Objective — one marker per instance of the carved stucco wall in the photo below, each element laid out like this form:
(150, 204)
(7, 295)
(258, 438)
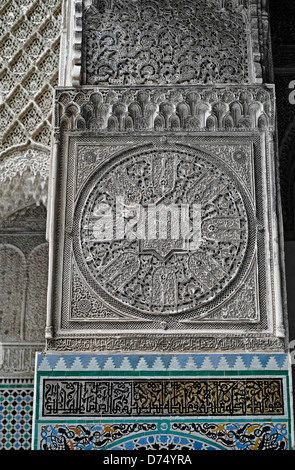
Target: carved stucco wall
(30, 32)
(29, 48)
(30, 41)
(133, 86)
(130, 49)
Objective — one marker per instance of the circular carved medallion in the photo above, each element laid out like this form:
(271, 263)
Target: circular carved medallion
(163, 231)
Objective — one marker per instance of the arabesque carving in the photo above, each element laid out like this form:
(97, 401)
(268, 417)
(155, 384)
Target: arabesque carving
(163, 231)
(168, 42)
(29, 50)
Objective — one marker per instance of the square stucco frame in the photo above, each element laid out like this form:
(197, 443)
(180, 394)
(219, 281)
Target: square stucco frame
(102, 332)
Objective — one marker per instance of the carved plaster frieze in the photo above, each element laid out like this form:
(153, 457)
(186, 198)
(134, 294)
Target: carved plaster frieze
(18, 360)
(136, 109)
(167, 343)
(110, 145)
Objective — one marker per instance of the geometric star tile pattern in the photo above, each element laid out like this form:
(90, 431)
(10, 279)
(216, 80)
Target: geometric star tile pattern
(16, 409)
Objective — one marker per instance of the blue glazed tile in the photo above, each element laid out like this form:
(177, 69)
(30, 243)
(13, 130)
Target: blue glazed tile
(69, 359)
(281, 360)
(215, 359)
(263, 358)
(39, 360)
(16, 417)
(85, 359)
(113, 363)
(198, 359)
(101, 360)
(134, 360)
(231, 359)
(247, 359)
(214, 435)
(148, 359)
(182, 360)
(52, 359)
(166, 359)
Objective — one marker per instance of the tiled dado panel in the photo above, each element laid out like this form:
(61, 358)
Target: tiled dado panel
(162, 401)
(16, 409)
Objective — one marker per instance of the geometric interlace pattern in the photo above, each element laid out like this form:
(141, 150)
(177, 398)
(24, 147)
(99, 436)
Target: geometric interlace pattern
(29, 59)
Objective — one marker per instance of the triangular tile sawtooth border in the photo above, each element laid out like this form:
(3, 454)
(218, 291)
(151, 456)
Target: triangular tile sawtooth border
(161, 362)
